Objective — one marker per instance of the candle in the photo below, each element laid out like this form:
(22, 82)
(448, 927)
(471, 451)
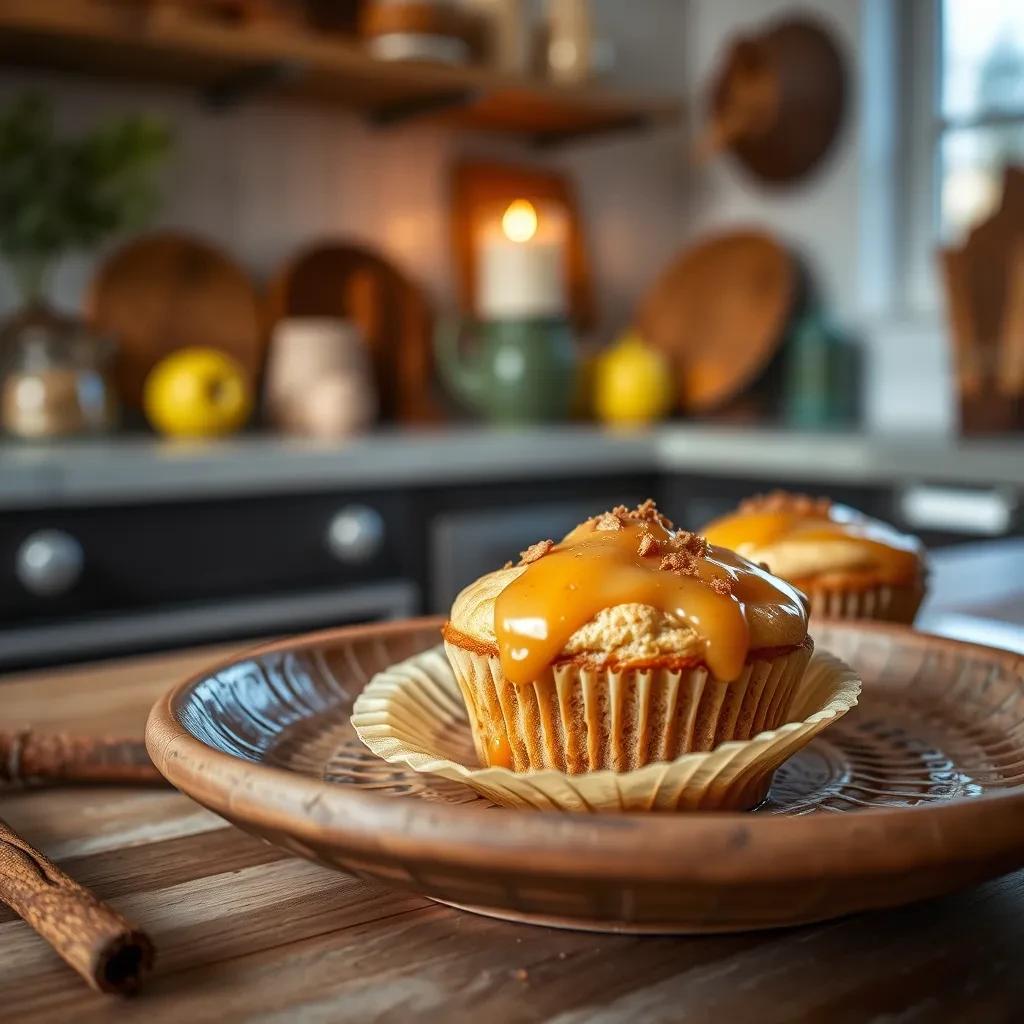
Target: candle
(522, 265)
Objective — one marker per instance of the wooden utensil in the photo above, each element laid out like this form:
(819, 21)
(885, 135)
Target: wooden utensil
(719, 312)
(90, 936)
(988, 253)
(1010, 368)
(350, 282)
(908, 808)
(778, 100)
(985, 306)
(168, 291)
(966, 348)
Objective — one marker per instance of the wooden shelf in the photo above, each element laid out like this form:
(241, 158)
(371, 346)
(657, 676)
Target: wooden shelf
(116, 39)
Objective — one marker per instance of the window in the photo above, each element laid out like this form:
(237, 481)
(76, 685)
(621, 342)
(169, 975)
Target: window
(981, 107)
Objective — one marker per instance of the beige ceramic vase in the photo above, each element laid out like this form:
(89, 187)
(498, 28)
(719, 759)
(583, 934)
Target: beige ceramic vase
(319, 382)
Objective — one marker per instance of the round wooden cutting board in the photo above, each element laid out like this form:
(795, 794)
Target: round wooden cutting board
(168, 291)
(916, 792)
(719, 312)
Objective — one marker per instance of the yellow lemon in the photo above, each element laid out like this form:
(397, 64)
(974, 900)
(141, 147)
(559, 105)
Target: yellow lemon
(632, 383)
(197, 392)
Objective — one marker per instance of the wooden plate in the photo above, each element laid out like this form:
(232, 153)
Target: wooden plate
(916, 792)
(168, 291)
(719, 312)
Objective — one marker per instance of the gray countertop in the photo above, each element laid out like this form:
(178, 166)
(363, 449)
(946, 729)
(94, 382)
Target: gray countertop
(142, 468)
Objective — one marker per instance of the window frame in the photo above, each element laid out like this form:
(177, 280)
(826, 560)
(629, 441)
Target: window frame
(920, 98)
(924, 125)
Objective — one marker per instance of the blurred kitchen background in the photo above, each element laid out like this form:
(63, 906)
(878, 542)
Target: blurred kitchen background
(314, 310)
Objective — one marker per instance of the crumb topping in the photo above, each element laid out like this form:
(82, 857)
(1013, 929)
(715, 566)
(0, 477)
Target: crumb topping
(679, 553)
(689, 543)
(680, 563)
(608, 521)
(535, 551)
(723, 586)
(645, 512)
(785, 501)
(648, 546)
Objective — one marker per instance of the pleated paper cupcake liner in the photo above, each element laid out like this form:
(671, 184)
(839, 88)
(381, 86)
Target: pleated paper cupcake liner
(414, 714)
(881, 604)
(580, 719)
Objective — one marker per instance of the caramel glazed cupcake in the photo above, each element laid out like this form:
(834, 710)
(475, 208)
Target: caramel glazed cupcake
(627, 642)
(849, 565)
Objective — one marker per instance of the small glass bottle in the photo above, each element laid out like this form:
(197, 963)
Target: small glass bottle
(54, 378)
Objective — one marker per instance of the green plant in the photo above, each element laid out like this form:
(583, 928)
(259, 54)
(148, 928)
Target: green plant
(60, 194)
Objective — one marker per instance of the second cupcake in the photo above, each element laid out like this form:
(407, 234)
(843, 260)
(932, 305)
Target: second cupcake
(628, 642)
(849, 565)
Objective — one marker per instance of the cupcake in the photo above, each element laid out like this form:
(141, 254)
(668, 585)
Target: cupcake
(627, 642)
(849, 565)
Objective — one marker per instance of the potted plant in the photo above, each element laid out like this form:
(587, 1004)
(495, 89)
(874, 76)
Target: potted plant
(58, 195)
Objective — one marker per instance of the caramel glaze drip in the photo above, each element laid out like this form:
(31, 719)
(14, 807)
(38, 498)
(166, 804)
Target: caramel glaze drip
(890, 556)
(593, 568)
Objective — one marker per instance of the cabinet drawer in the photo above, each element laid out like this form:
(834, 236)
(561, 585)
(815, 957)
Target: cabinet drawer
(67, 561)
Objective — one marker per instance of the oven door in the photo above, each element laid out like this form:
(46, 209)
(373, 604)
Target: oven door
(113, 635)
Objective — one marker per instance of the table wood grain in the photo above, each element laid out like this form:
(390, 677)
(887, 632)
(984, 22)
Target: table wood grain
(247, 932)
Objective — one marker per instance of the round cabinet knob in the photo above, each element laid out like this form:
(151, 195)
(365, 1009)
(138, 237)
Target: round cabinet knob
(355, 534)
(49, 563)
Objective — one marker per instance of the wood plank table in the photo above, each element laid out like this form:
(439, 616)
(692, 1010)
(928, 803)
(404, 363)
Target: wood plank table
(247, 932)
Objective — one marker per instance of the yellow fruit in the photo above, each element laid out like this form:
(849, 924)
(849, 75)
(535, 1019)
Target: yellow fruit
(633, 383)
(197, 392)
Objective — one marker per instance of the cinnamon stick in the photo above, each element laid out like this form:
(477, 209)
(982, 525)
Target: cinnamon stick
(93, 938)
(30, 758)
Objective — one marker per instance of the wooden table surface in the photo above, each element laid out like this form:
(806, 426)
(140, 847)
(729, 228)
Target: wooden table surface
(247, 932)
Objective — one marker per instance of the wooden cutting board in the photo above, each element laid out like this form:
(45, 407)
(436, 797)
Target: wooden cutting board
(719, 312)
(337, 279)
(167, 291)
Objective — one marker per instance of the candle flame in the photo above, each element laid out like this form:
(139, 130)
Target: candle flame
(519, 221)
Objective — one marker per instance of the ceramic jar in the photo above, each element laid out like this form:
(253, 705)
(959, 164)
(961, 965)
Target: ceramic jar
(319, 382)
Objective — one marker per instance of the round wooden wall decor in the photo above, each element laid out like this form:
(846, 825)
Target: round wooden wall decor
(719, 312)
(167, 291)
(779, 99)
